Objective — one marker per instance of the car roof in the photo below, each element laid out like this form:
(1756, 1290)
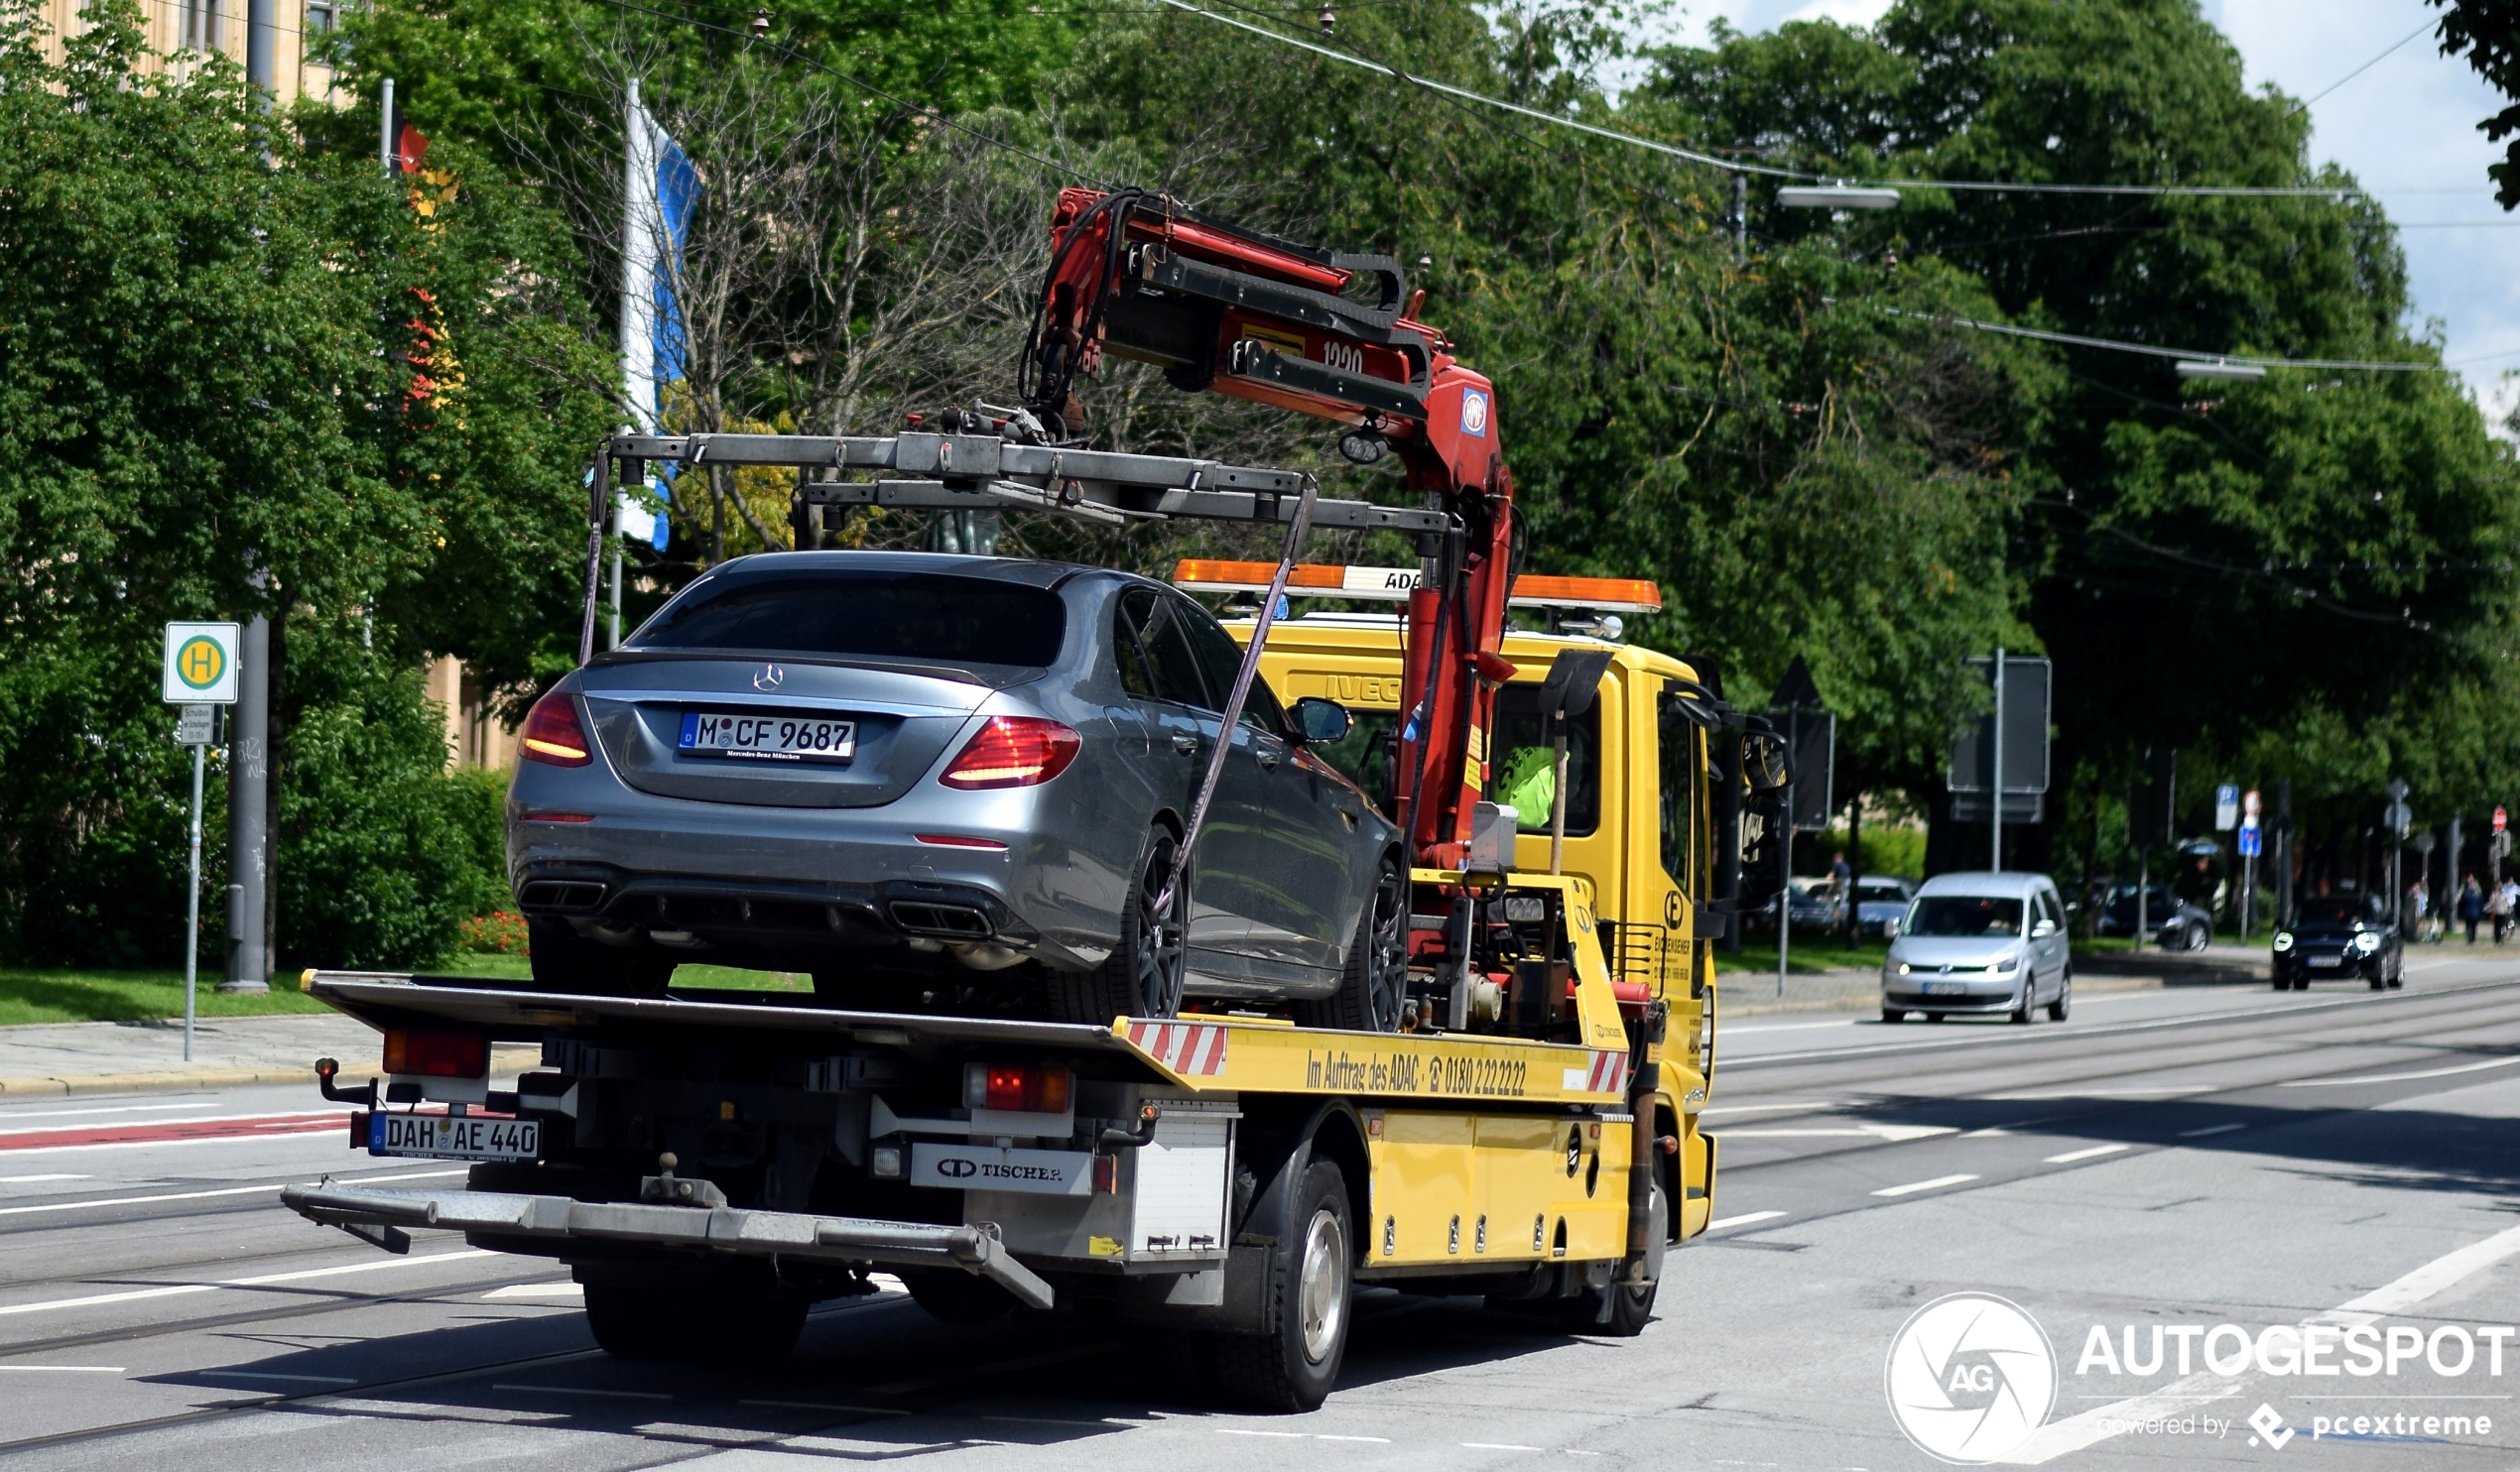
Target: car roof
(1028, 570)
(2001, 883)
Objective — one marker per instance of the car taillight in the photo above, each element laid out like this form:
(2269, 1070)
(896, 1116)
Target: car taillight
(1013, 751)
(1026, 1088)
(438, 1055)
(553, 734)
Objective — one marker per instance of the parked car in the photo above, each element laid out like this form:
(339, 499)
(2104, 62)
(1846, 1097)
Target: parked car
(1881, 904)
(2339, 937)
(1983, 944)
(2176, 924)
(935, 780)
(1817, 905)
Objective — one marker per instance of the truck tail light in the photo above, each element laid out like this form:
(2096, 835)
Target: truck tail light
(1023, 1088)
(1012, 750)
(552, 732)
(438, 1055)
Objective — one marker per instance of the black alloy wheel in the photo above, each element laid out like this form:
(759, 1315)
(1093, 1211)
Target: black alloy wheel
(1145, 972)
(1375, 980)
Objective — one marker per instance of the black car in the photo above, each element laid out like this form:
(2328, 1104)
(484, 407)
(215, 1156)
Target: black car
(2337, 937)
(2176, 924)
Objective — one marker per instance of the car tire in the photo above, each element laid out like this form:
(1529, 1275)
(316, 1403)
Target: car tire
(2028, 1012)
(1310, 1301)
(566, 961)
(711, 1319)
(2199, 937)
(2063, 1006)
(1144, 973)
(1893, 1014)
(1375, 981)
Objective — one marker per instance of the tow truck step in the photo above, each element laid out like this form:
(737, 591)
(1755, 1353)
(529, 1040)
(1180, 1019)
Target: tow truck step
(722, 1229)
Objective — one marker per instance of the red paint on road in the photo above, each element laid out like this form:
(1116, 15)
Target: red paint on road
(162, 1130)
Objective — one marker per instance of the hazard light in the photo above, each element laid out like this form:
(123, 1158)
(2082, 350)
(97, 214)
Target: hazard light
(1395, 584)
(436, 1055)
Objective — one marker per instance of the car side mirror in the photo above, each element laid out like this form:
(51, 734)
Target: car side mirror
(1319, 723)
(1763, 763)
(2043, 929)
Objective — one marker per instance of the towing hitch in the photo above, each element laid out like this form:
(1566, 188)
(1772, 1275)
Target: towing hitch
(553, 1220)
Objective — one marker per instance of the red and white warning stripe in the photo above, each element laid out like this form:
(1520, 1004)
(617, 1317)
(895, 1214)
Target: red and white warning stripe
(1607, 1076)
(1191, 1049)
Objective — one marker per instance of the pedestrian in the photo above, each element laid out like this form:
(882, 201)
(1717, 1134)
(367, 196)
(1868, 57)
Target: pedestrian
(2471, 906)
(2418, 909)
(2509, 893)
(2498, 908)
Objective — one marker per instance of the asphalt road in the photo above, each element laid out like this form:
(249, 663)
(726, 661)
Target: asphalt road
(2163, 1159)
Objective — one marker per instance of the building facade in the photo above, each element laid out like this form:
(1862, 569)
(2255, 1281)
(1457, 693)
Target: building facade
(181, 29)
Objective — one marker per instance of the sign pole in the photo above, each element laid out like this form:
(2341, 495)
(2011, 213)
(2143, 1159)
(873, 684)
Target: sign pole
(1995, 778)
(192, 908)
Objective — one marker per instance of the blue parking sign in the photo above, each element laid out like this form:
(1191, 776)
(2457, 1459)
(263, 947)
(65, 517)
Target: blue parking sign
(2252, 842)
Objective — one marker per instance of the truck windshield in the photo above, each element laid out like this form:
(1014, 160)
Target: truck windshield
(928, 617)
(1964, 916)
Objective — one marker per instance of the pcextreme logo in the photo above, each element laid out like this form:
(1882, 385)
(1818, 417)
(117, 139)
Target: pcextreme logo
(1970, 1376)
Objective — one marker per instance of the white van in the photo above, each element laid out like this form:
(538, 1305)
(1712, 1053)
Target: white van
(1981, 944)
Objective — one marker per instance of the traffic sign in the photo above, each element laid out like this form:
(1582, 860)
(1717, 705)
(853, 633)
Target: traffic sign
(2249, 806)
(2226, 807)
(2501, 819)
(196, 725)
(2252, 842)
(200, 664)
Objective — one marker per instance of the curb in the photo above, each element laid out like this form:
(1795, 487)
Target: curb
(503, 1061)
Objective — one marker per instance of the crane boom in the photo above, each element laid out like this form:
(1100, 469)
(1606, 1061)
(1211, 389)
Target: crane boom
(1332, 336)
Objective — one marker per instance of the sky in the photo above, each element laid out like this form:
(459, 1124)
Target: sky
(2406, 129)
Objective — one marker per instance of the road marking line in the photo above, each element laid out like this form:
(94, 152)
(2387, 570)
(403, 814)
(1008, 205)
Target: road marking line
(181, 1290)
(2090, 1428)
(1922, 1186)
(573, 1292)
(912, 1387)
(333, 1128)
(828, 1405)
(2095, 1152)
(1743, 1220)
(64, 1369)
(580, 1389)
(1889, 1134)
(233, 1191)
(291, 1379)
(1763, 1108)
(1282, 1436)
(30, 1180)
(2329, 1084)
(115, 1109)
(1501, 1446)
(268, 1117)
(2210, 1130)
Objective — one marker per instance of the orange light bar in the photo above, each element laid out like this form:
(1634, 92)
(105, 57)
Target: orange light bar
(1395, 584)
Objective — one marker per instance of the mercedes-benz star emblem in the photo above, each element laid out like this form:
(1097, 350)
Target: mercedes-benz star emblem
(769, 678)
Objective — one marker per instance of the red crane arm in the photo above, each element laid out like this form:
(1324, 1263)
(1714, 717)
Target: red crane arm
(1332, 336)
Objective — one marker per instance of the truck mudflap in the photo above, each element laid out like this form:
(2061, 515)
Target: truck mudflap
(377, 1216)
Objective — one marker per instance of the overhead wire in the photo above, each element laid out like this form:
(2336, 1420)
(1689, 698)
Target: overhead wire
(1735, 166)
(2183, 354)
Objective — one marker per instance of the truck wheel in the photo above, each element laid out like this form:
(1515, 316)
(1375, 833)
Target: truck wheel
(1620, 1311)
(566, 961)
(957, 1297)
(1143, 976)
(1376, 980)
(700, 1321)
(1311, 1296)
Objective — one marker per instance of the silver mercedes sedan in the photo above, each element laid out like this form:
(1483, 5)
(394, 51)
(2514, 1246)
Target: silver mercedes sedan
(948, 783)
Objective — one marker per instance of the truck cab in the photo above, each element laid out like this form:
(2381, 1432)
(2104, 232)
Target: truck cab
(1637, 827)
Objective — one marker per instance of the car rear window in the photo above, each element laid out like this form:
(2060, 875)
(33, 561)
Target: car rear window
(928, 617)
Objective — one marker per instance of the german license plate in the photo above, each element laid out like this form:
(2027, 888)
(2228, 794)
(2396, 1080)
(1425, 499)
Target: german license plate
(1946, 989)
(2326, 961)
(440, 1137)
(773, 737)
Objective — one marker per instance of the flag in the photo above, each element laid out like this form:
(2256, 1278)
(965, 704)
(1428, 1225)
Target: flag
(660, 188)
